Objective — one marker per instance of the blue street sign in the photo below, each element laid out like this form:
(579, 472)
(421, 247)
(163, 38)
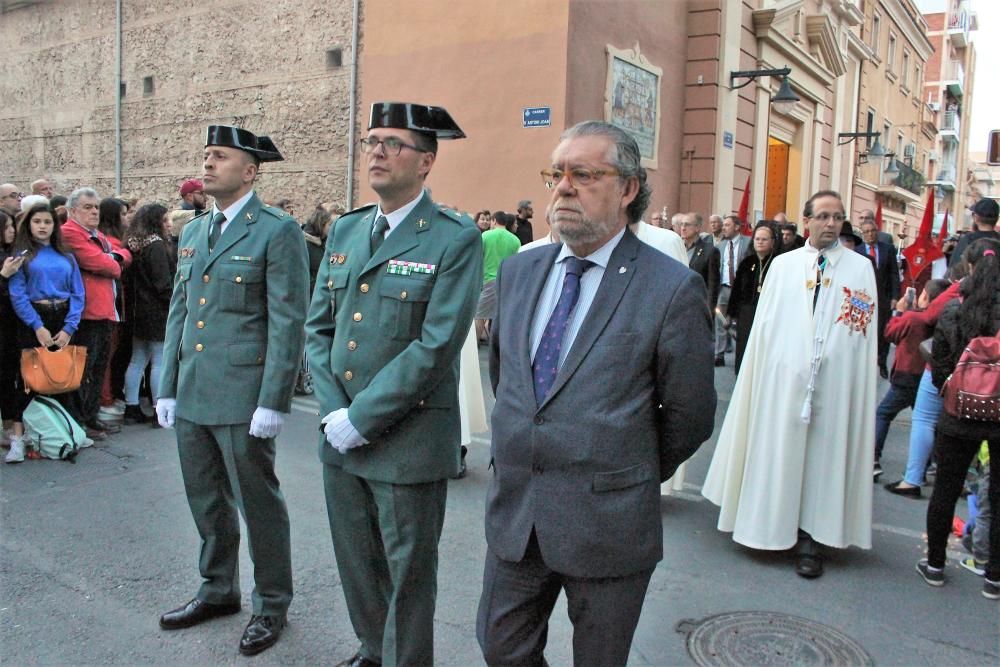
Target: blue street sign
(537, 117)
(727, 139)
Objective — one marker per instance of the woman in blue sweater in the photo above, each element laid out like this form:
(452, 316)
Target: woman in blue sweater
(47, 295)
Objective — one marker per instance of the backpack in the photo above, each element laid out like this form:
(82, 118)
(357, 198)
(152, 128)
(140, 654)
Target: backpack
(56, 435)
(972, 391)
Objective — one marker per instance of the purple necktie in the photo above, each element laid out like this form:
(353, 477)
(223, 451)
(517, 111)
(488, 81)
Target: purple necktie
(546, 363)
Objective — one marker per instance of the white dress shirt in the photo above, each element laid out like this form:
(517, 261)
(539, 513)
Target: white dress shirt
(397, 216)
(231, 211)
(589, 282)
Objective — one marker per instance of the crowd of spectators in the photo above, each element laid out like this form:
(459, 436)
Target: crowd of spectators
(99, 273)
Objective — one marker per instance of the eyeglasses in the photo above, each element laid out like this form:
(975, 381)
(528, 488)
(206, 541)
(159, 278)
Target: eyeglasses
(391, 145)
(578, 177)
(826, 217)
(14, 195)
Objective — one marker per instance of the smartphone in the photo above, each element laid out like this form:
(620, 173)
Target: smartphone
(911, 296)
(21, 254)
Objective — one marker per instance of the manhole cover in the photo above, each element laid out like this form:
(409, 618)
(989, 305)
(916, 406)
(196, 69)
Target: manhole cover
(768, 638)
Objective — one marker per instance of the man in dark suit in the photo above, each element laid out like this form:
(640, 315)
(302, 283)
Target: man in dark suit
(389, 314)
(232, 350)
(703, 257)
(732, 247)
(604, 386)
(886, 280)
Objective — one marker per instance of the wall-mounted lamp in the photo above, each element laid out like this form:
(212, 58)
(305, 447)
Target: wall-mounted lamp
(784, 100)
(876, 150)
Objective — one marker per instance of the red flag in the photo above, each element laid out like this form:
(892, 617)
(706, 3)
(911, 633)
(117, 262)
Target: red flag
(878, 216)
(744, 211)
(943, 234)
(923, 250)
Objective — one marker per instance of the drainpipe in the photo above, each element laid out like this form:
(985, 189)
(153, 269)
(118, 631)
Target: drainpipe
(352, 140)
(118, 97)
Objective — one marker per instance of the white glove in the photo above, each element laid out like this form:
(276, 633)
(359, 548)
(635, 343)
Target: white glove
(340, 432)
(266, 423)
(165, 409)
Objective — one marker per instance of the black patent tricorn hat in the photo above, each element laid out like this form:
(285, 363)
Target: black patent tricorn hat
(435, 121)
(236, 137)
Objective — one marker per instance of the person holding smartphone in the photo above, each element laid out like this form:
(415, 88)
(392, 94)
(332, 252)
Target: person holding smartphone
(47, 296)
(10, 264)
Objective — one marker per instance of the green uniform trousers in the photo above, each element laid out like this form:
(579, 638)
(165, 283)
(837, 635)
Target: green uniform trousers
(385, 537)
(226, 468)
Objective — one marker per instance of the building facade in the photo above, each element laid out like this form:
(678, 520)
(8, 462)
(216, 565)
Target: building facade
(891, 108)
(513, 73)
(948, 94)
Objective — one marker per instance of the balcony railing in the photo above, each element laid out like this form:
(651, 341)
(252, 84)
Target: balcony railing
(958, 27)
(954, 75)
(951, 125)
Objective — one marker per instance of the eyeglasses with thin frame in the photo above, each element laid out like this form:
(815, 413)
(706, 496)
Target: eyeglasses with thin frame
(825, 217)
(14, 195)
(578, 176)
(391, 145)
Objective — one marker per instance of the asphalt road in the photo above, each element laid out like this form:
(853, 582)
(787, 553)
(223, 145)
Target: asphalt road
(92, 553)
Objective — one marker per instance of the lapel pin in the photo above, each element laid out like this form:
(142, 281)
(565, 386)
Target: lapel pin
(249, 217)
(622, 269)
(421, 223)
(341, 259)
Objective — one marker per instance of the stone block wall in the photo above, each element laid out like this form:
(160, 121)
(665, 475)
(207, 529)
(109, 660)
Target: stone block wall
(260, 64)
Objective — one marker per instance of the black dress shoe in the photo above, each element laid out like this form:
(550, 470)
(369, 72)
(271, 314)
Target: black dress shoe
(262, 632)
(358, 660)
(909, 492)
(133, 415)
(194, 612)
(809, 566)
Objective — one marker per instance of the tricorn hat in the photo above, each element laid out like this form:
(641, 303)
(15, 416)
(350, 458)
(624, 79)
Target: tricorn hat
(236, 137)
(435, 121)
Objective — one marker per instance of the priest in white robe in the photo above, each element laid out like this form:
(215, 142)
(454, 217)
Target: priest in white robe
(793, 463)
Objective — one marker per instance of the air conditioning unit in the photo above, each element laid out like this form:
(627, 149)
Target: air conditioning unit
(910, 150)
(932, 156)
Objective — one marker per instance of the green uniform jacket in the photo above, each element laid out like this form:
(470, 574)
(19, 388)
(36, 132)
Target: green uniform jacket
(384, 335)
(235, 329)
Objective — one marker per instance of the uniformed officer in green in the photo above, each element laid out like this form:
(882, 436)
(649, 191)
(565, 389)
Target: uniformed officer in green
(392, 306)
(231, 353)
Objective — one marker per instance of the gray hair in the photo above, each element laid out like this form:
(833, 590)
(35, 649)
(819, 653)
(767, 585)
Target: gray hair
(627, 160)
(74, 197)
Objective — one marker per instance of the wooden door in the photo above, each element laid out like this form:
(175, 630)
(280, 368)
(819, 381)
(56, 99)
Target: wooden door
(776, 187)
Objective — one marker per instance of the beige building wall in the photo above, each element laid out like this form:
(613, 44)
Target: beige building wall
(485, 62)
(659, 31)
(890, 103)
(259, 64)
(788, 155)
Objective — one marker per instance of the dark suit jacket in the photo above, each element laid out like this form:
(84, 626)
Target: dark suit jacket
(886, 273)
(634, 398)
(706, 263)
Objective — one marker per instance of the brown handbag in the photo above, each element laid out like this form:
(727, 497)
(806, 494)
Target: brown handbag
(46, 372)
